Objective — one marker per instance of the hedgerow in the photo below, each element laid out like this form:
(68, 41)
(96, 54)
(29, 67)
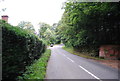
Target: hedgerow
(37, 70)
(19, 49)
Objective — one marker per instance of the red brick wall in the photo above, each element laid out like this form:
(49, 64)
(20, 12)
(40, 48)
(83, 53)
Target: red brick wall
(110, 51)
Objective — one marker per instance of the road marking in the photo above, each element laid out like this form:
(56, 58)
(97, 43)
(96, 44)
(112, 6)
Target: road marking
(90, 73)
(70, 59)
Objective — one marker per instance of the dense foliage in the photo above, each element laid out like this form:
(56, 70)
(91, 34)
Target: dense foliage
(26, 26)
(86, 26)
(19, 49)
(37, 71)
(48, 33)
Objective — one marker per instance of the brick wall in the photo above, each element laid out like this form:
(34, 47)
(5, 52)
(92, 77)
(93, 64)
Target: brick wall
(109, 51)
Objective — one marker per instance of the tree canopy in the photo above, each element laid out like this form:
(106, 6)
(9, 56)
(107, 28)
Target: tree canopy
(27, 26)
(90, 24)
(47, 32)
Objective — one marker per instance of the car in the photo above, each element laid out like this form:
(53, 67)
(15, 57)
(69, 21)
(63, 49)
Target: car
(51, 45)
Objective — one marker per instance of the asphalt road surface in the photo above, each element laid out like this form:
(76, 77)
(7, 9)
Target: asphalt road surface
(64, 65)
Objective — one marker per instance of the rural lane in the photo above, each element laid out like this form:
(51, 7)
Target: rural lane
(64, 65)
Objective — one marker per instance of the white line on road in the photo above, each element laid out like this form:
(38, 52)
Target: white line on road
(70, 59)
(90, 73)
(64, 55)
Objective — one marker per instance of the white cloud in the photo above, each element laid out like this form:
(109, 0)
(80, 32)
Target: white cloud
(35, 11)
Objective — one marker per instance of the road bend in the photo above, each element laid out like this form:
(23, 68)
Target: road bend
(64, 65)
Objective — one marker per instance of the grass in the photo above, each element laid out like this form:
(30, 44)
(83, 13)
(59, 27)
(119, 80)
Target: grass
(71, 50)
(38, 69)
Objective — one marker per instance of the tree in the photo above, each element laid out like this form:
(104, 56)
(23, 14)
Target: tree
(27, 26)
(46, 33)
(42, 29)
(89, 25)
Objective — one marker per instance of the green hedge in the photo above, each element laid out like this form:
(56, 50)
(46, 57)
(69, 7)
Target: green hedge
(19, 49)
(37, 70)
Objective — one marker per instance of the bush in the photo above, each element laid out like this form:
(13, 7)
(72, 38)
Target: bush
(20, 49)
(37, 70)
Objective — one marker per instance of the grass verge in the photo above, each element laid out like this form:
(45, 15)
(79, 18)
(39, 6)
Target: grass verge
(71, 50)
(38, 69)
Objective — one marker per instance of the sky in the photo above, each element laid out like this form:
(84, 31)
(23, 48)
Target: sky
(34, 11)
